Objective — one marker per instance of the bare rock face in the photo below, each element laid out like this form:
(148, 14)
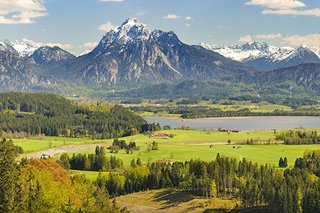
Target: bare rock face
(134, 53)
(45, 55)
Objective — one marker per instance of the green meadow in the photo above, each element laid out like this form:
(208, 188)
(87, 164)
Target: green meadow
(35, 144)
(262, 154)
(185, 145)
(90, 175)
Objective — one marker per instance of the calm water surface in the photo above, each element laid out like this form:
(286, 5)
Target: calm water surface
(249, 123)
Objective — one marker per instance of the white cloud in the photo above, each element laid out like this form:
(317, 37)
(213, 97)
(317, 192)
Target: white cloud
(312, 12)
(245, 39)
(188, 18)
(277, 4)
(171, 16)
(106, 27)
(112, 0)
(297, 40)
(284, 7)
(61, 45)
(90, 45)
(21, 11)
(188, 25)
(141, 13)
(268, 36)
(49, 44)
(291, 40)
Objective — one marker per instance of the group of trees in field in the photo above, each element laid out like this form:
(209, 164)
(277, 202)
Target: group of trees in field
(52, 115)
(44, 186)
(283, 162)
(122, 144)
(292, 190)
(91, 162)
(299, 137)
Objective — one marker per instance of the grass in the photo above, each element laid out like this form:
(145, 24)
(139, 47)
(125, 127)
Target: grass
(186, 145)
(35, 144)
(261, 154)
(187, 136)
(173, 201)
(90, 175)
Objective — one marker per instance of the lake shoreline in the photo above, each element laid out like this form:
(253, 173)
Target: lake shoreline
(229, 118)
(249, 123)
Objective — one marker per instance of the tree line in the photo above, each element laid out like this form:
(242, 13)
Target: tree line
(91, 162)
(299, 137)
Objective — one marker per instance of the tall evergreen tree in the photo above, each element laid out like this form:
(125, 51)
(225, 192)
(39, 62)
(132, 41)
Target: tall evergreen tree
(8, 174)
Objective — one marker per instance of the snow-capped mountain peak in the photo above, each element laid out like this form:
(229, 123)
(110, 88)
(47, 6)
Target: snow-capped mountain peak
(262, 46)
(128, 24)
(25, 47)
(265, 57)
(130, 30)
(240, 52)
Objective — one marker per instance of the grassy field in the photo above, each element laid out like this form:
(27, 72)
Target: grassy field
(262, 154)
(90, 175)
(43, 143)
(173, 201)
(186, 145)
(35, 144)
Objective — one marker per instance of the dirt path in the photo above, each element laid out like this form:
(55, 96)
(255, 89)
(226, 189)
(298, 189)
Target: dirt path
(63, 149)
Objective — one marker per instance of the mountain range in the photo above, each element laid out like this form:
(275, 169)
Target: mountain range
(265, 57)
(134, 58)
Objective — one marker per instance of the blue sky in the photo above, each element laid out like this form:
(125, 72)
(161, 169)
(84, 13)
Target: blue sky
(77, 25)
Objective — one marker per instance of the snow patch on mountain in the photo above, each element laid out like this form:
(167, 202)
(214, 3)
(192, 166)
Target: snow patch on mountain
(131, 30)
(251, 51)
(25, 47)
(266, 57)
(316, 50)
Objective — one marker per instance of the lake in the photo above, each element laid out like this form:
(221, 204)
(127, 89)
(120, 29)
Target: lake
(241, 123)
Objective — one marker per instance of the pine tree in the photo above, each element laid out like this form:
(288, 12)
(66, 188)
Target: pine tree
(133, 163)
(281, 162)
(139, 162)
(64, 161)
(8, 174)
(285, 162)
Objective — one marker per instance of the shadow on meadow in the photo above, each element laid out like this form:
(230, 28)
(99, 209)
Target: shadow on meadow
(171, 198)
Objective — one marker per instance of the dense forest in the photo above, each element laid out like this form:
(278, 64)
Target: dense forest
(43, 186)
(53, 115)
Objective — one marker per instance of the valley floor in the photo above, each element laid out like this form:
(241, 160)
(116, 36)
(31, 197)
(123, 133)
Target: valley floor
(185, 145)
